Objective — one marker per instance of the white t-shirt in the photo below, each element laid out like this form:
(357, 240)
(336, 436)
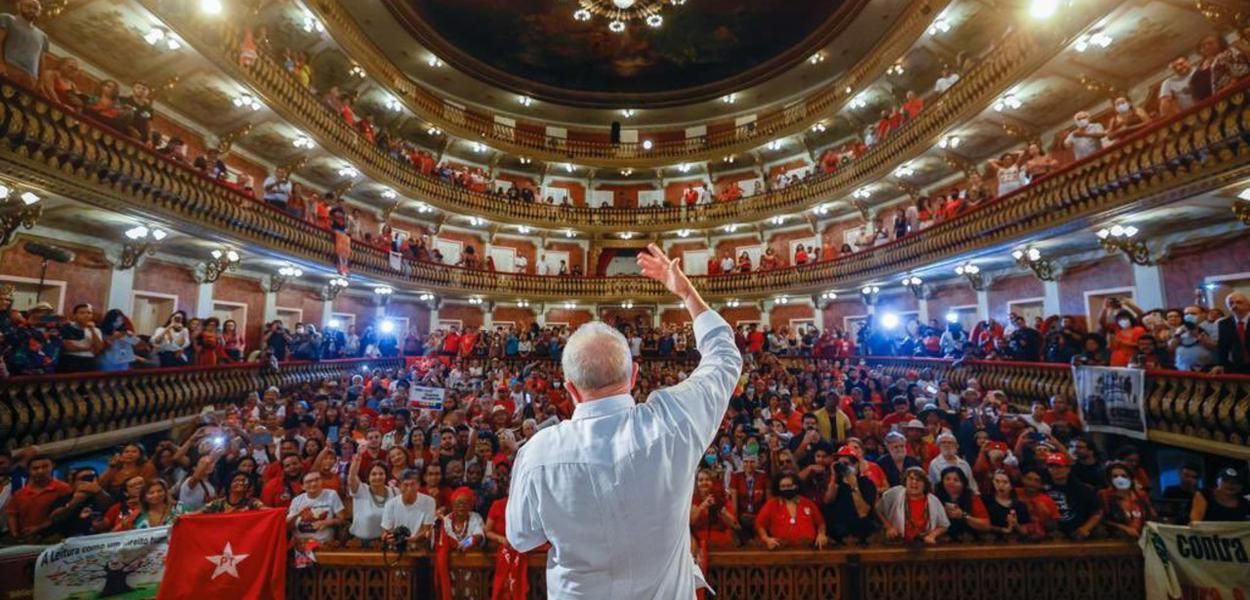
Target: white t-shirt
(1085, 146)
(727, 264)
(195, 497)
(1177, 86)
(367, 512)
(325, 505)
(520, 263)
(945, 83)
(474, 527)
(635, 346)
(411, 516)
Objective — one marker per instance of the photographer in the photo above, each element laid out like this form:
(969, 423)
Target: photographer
(1063, 342)
(276, 339)
(1193, 344)
(712, 518)
(409, 517)
(848, 499)
(278, 188)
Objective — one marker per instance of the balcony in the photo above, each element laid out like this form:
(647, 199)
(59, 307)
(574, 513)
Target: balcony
(1015, 57)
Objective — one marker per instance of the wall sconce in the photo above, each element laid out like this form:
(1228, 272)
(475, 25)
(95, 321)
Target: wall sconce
(284, 274)
(140, 240)
(428, 297)
(211, 270)
(1241, 207)
(383, 294)
(733, 303)
(1123, 239)
(17, 210)
(972, 273)
(869, 294)
(333, 288)
(627, 305)
(915, 285)
(1032, 258)
(523, 303)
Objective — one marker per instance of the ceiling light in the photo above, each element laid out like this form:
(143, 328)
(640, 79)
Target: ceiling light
(525, 100)
(1010, 101)
(425, 297)
(210, 7)
(732, 304)
(28, 198)
(389, 194)
(683, 233)
(434, 61)
(137, 232)
(433, 131)
(1043, 9)
(303, 142)
(628, 113)
(848, 90)
(774, 144)
(861, 193)
(647, 144)
(628, 304)
(781, 300)
(627, 235)
(475, 221)
(895, 69)
(904, 171)
(912, 281)
(358, 71)
(424, 208)
(952, 317)
(1097, 38)
(570, 305)
(858, 102)
(1245, 194)
(349, 172)
(819, 128)
(289, 271)
(479, 147)
(817, 58)
(523, 303)
(685, 168)
(568, 167)
(475, 300)
(392, 103)
(616, 26)
(627, 172)
(729, 98)
(581, 14)
(525, 160)
(950, 141)
(730, 228)
(568, 233)
(939, 25)
(523, 229)
(655, 20)
(729, 159)
(778, 220)
(154, 36)
(870, 289)
(829, 296)
(821, 209)
(967, 269)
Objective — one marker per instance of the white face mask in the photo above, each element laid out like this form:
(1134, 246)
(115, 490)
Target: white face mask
(1125, 323)
(850, 470)
(1121, 483)
(1082, 123)
(1121, 107)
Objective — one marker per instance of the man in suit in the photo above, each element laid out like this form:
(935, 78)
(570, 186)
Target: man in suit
(1233, 345)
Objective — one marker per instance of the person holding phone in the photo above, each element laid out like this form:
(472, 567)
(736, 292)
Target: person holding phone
(172, 340)
(1194, 342)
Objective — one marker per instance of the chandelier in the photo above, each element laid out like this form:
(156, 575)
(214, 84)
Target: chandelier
(621, 12)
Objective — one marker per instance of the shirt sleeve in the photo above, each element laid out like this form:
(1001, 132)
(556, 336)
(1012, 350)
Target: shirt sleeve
(388, 515)
(701, 400)
(524, 527)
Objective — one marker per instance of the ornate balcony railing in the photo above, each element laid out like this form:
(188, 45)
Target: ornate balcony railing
(52, 408)
(593, 148)
(1016, 56)
(1202, 149)
(1210, 413)
(1050, 571)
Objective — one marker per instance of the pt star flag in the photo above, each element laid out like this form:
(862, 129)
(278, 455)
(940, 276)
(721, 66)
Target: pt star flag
(240, 556)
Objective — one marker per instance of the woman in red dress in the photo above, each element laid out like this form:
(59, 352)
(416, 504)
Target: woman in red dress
(713, 519)
(789, 519)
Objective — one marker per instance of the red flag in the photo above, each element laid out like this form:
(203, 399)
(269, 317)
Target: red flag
(240, 556)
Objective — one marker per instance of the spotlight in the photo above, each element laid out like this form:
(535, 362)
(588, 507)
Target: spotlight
(952, 317)
(889, 320)
(387, 326)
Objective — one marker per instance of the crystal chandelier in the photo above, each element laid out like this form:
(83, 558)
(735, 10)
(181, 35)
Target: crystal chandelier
(620, 13)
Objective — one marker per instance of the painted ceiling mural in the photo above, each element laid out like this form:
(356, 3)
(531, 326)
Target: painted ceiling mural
(701, 42)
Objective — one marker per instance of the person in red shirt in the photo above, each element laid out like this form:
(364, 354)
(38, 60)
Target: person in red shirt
(868, 468)
(1125, 507)
(29, 511)
(712, 517)
(790, 520)
(1060, 410)
(467, 341)
(883, 126)
(965, 510)
(755, 340)
(913, 105)
(748, 490)
(901, 415)
(279, 491)
(1043, 512)
(713, 265)
(451, 342)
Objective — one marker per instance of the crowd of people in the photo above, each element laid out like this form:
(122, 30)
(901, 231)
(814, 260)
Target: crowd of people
(1190, 338)
(815, 455)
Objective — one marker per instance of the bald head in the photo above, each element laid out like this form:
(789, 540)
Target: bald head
(1238, 303)
(596, 359)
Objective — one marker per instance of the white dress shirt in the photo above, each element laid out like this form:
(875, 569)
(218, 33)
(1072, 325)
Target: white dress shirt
(611, 488)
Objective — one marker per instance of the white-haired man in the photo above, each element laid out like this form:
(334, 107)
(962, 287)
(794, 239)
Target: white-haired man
(611, 488)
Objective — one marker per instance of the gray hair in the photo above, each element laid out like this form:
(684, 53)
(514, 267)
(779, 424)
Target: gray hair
(596, 356)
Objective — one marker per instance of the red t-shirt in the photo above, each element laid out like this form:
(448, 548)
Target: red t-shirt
(751, 496)
(467, 341)
(756, 339)
(451, 343)
(793, 531)
(497, 514)
(917, 521)
(34, 507)
(714, 531)
(277, 494)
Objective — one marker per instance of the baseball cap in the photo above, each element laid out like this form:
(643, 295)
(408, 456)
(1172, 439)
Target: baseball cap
(1231, 475)
(847, 450)
(1059, 459)
(915, 424)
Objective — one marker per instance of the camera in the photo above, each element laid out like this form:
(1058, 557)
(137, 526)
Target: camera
(393, 550)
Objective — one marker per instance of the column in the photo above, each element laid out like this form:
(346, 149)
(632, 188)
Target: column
(327, 313)
(922, 309)
(203, 300)
(121, 289)
(1050, 300)
(1148, 284)
(541, 317)
(271, 300)
(488, 316)
(655, 316)
(983, 305)
(818, 316)
(434, 317)
(766, 313)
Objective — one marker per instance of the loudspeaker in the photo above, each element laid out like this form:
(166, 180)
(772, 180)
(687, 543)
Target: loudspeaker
(49, 252)
(616, 132)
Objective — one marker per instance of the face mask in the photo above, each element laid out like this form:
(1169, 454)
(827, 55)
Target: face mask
(752, 447)
(789, 494)
(1124, 323)
(1121, 483)
(1082, 123)
(1121, 107)
(751, 389)
(300, 330)
(1191, 319)
(850, 470)
(710, 459)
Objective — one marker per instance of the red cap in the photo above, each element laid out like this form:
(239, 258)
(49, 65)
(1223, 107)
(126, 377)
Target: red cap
(1059, 459)
(847, 450)
(996, 445)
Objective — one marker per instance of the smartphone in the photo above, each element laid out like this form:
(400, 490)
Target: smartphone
(261, 438)
(332, 433)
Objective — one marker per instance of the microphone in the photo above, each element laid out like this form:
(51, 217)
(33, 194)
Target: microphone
(49, 252)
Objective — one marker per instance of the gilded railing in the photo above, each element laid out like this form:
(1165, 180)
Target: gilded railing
(1049, 571)
(51, 408)
(1202, 149)
(796, 116)
(1205, 412)
(1016, 56)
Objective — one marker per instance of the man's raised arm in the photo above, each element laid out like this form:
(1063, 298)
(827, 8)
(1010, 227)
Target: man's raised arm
(704, 396)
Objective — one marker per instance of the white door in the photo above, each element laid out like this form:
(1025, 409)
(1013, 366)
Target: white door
(694, 262)
(149, 312)
(505, 258)
(231, 311)
(552, 259)
(450, 250)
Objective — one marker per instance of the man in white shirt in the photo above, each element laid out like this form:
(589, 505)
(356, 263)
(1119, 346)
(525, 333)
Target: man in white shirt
(411, 510)
(1088, 137)
(610, 488)
(521, 263)
(543, 268)
(315, 513)
(727, 263)
(1175, 94)
(945, 82)
(949, 457)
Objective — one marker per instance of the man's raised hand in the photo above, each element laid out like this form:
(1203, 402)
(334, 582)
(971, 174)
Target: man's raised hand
(655, 265)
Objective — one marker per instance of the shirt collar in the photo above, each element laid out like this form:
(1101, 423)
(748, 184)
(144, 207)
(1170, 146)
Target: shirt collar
(603, 407)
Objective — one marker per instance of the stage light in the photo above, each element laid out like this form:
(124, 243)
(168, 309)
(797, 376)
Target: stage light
(889, 320)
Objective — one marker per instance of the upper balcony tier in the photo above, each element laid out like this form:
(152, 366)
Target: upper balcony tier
(1203, 149)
